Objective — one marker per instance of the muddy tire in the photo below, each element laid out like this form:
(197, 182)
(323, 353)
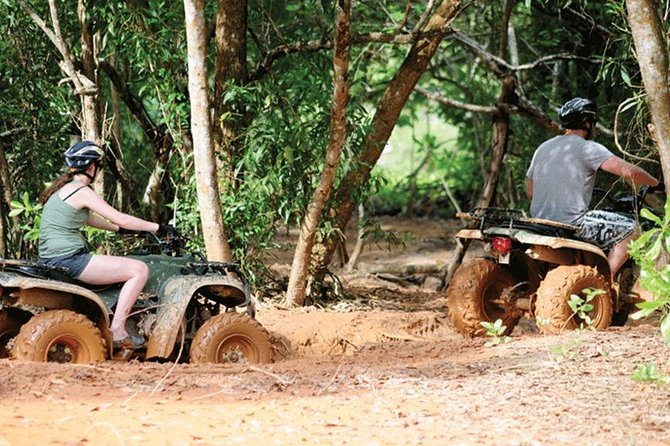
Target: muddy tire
(231, 338)
(59, 336)
(552, 312)
(9, 328)
(471, 297)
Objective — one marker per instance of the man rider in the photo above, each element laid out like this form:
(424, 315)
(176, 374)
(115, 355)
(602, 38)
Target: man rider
(561, 177)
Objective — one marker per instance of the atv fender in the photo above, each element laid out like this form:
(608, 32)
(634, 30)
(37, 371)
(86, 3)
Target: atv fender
(174, 296)
(560, 247)
(52, 294)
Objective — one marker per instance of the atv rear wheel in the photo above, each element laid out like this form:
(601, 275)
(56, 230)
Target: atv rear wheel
(59, 336)
(9, 328)
(474, 296)
(231, 338)
(552, 312)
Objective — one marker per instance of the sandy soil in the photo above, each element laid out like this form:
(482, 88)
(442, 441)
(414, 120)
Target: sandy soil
(380, 368)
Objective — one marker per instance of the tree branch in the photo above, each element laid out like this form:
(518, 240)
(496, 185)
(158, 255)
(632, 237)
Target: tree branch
(456, 104)
(83, 86)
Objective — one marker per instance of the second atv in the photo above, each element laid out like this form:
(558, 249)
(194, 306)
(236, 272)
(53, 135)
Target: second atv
(533, 268)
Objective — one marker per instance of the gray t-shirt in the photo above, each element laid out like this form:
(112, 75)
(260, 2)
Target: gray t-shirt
(563, 171)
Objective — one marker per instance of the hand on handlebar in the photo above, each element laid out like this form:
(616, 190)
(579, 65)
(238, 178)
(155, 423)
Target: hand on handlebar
(167, 231)
(660, 187)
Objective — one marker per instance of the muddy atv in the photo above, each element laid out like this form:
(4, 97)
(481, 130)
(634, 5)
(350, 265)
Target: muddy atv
(532, 268)
(190, 309)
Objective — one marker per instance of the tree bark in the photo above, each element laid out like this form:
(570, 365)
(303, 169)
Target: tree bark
(160, 138)
(388, 110)
(231, 68)
(90, 128)
(297, 285)
(7, 198)
(652, 55)
(216, 242)
(116, 164)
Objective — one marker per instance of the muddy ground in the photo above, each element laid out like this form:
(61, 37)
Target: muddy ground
(382, 367)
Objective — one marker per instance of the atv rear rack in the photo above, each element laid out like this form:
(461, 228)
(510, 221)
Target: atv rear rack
(517, 219)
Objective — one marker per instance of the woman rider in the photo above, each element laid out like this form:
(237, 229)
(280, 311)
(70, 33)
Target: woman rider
(69, 204)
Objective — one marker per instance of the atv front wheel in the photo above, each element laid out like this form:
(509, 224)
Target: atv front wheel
(474, 296)
(59, 336)
(231, 338)
(552, 312)
(9, 328)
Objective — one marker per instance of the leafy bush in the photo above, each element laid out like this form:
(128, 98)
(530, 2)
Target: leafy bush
(652, 252)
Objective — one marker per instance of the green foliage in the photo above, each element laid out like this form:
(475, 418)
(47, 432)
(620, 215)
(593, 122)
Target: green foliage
(581, 307)
(495, 331)
(649, 373)
(30, 217)
(651, 251)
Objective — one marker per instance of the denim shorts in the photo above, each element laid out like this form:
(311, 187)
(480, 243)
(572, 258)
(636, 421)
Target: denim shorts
(604, 229)
(75, 263)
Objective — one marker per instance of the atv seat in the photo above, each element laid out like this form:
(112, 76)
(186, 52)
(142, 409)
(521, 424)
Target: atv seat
(51, 273)
(548, 227)
(513, 218)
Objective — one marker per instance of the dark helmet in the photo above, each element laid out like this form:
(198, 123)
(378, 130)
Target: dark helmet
(82, 154)
(574, 113)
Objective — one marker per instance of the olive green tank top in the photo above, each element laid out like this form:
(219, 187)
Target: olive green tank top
(59, 230)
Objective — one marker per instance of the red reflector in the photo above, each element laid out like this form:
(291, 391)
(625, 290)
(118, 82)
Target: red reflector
(502, 245)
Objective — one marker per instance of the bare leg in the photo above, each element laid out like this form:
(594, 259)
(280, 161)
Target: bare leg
(619, 254)
(103, 270)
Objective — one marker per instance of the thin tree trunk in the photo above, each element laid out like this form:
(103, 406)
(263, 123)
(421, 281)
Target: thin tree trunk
(121, 192)
(7, 198)
(360, 241)
(231, 68)
(216, 242)
(388, 110)
(297, 284)
(499, 145)
(652, 55)
(90, 105)
(160, 138)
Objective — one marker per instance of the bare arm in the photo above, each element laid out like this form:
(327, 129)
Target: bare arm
(116, 219)
(96, 221)
(529, 188)
(628, 171)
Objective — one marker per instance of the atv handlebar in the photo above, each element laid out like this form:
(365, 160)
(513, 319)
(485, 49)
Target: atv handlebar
(631, 204)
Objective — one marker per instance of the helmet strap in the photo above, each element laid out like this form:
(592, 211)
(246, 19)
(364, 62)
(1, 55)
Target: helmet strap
(95, 173)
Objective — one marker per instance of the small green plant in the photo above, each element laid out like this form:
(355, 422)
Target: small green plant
(581, 307)
(565, 352)
(496, 331)
(649, 373)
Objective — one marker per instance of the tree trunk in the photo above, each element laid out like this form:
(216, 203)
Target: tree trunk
(499, 145)
(388, 110)
(216, 242)
(652, 55)
(297, 285)
(116, 164)
(360, 241)
(90, 106)
(160, 138)
(7, 198)
(231, 68)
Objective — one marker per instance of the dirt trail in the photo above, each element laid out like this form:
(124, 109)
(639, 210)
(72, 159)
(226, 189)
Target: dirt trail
(382, 369)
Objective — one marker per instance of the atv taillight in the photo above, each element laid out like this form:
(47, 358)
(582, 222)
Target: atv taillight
(501, 245)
